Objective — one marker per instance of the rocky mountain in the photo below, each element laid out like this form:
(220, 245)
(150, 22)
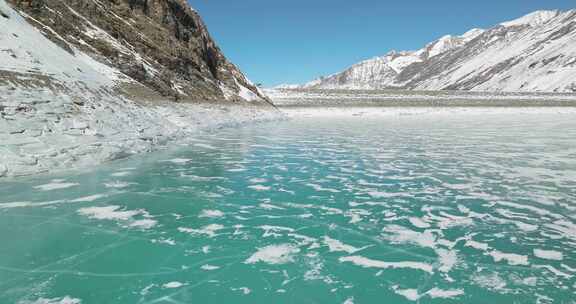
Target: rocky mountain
(160, 44)
(89, 81)
(534, 53)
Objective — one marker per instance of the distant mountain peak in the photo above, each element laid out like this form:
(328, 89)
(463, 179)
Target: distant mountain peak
(473, 33)
(532, 53)
(533, 19)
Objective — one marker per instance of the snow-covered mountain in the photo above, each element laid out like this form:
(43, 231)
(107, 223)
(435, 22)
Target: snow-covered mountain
(536, 52)
(83, 82)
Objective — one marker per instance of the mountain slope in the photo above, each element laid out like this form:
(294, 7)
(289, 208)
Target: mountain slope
(160, 44)
(534, 53)
(65, 105)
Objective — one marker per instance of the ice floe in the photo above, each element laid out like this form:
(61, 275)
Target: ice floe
(209, 267)
(444, 294)
(402, 235)
(549, 254)
(121, 174)
(336, 245)
(349, 301)
(211, 213)
(257, 180)
(447, 259)
(270, 207)
(118, 184)
(90, 198)
(208, 230)
(120, 214)
(511, 258)
(243, 290)
(172, 285)
(55, 185)
(109, 213)
(369, 263)
(554, 270)
(434, 293)
(63, 300)
(410, 293)
(418, 223)
(477, 245)
(144, 223)
(274, 254)
(275, 231)
(259, 187)
(178, 161)
(491, 281)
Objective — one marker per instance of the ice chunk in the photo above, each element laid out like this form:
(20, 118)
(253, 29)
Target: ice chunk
(549, 254)
(369, 263)
(274, 254)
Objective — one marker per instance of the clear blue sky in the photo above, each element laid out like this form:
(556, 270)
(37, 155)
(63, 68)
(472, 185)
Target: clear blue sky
(294, 41)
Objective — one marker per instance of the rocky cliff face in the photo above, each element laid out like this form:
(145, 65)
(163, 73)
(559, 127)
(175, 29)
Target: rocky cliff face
(161, 44)
(535, 53)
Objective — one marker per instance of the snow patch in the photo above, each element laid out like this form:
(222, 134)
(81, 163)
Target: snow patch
(532, 19)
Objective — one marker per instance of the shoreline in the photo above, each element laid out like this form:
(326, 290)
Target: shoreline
(56, 135)
(399, 111)
(395, 98)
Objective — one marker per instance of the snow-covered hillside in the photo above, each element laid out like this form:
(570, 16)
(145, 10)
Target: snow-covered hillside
(63, 108)
(535, 53)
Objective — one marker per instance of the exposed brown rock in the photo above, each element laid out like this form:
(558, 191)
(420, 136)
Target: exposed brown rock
(162, 44)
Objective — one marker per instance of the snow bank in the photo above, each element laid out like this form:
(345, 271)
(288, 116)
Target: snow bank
(59, 135)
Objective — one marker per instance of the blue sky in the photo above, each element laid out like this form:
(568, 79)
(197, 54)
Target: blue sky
(294, 41)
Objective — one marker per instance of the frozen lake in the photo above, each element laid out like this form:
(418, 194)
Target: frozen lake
(436, 208)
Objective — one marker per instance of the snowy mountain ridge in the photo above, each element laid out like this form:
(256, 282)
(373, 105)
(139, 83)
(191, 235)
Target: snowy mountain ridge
(536, 52)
